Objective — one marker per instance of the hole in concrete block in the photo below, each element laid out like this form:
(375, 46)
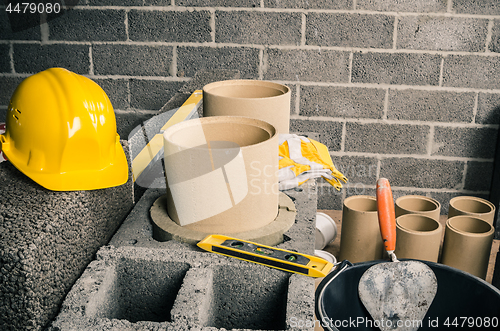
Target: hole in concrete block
(249, 298)
(142, 291)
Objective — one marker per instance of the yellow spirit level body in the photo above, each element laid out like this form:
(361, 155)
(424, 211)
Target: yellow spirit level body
(282, 259)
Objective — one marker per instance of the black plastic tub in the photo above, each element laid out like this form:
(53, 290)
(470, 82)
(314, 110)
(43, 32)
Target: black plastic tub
(462, 301)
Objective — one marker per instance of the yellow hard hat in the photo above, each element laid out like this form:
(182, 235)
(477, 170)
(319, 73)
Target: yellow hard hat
(61, 132)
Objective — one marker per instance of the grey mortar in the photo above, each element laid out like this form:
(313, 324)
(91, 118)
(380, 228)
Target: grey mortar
(47, 239)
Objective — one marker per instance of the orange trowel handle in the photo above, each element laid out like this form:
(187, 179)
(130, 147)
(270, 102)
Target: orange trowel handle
(386, 216)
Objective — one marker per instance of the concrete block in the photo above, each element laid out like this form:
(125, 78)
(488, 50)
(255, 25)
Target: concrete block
(256, 300)
(484, 7)
(192, 59)
(396, 68)
(48, 239)
(218, 3)
(464, 142)
(5, 58)
(386, 138)
(72, 57)
(422, 173)
(117, 91)
(350, 102)
(442, 33)
(329, 197)
(349, 30)
(309, 4)
(495, 189)
(421, 6)
(133, 60)
(358, 169)
(89, 25)
(8, 84)
(494, 45)
(182, 290)
(330, 132)
(3, 115)
(135, 264)
(306, 65)
(151, 94)
(263, 28)
(126, 121)
(440, 106)
(471, 71)
(204, 77)
(169, 26)
(18, 27)
(478, 176)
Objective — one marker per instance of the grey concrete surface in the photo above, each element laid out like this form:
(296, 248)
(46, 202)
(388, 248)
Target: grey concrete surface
(389, 138)
(351, 103)
(259, 28)
(302, 65)
(396, 68)
(47, 239)
(191, 59)
(131, 60)
(478, 146)
(339, 29)
(107, 25)
(431, 106)
(138, 283)
(133, 288)
(471, 71)
(410, 172)
(330, 133)
(442, 33)
(190, 26)
(72, 57)
(309, 4)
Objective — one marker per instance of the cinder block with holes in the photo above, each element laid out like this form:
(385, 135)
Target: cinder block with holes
(138, 283)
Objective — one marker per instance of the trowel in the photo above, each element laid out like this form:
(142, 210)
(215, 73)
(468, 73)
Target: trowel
(397, 294)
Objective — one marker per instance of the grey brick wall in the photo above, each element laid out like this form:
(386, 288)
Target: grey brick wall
(408, 89)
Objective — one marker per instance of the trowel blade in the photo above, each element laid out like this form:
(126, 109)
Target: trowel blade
(398, 294)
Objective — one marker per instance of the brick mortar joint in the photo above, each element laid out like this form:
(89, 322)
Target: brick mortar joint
(368, 121)
(382, 156)
(412, 188)
(213, 44)
(283, 10)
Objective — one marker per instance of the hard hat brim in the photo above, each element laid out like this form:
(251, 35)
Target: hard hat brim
(115, 174)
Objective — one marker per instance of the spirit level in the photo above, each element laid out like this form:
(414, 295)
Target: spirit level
(282, 259)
